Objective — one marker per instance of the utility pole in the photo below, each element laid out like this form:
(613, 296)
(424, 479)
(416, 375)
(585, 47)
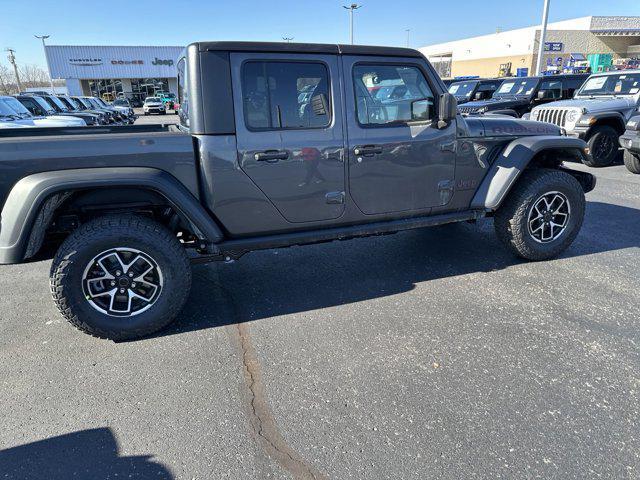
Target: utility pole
(543, 34)
(351, 8)
(12, 61)
(44, 48)
(408, 30)
(288, 39)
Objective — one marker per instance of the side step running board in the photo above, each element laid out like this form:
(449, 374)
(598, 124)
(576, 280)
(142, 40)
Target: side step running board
(233, 249)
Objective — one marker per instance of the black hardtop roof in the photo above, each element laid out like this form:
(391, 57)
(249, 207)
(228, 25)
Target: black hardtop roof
(282, 47)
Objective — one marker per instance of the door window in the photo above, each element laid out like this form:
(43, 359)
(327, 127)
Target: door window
(553, 88)
(384, 94)
(285, 95)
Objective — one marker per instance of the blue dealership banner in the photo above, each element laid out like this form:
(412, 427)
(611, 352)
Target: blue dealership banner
(553, 46)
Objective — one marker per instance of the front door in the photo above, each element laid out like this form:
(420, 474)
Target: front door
(289, 131)
(397, 163)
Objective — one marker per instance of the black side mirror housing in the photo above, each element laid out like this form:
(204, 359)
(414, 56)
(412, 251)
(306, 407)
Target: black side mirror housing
(448, 109)
(478, 96)
(545, 94)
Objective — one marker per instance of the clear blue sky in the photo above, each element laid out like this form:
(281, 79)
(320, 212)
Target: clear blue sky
(179, 22)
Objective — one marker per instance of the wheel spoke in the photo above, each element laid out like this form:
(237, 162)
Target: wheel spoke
(122, 282)
(549, 216)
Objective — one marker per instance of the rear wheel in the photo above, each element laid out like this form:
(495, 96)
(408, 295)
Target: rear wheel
(632, 162)
(542, 214)
(120, 277)
(603, 146)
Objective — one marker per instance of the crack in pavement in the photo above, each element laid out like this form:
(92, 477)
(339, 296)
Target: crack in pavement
(261, 419)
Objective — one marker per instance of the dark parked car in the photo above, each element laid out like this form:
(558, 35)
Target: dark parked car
(256, 165)
(518, 95)
(474, 90)
(630, 141)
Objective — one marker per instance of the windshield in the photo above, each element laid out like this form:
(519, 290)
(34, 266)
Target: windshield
(121, 103)
(6, 111)
(69, 104)
(45, 106)
(620, 84)
(82, 103)
(151, 99)
(462, 89)
(17, 107)
(394, 92)
(60, 105)
(100, 102)
(516, 87)
(92, 102)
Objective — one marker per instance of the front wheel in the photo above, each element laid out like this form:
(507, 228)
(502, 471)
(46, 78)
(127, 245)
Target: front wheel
(542, 214)
(120, 277)
(632, 162)
(603, 146)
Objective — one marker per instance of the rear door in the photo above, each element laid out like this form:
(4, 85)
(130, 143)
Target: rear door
(290, 142)
(395, 164)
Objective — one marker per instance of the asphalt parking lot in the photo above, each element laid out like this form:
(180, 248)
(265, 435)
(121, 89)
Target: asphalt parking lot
(425, 354)
(143, 119)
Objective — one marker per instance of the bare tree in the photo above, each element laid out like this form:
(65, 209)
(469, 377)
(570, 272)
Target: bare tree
(33, 76)
(7, 80)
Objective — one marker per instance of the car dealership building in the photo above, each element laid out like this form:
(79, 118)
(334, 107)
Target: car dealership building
(595, 42)
(106, 71)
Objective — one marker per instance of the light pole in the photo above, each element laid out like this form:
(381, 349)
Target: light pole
(351, 8)
(44, 48)
(12, 60)
(408, 30)
(288, 39)
(543, 34)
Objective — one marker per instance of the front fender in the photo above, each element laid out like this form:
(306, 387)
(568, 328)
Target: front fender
(28, 196)
(591, 119)
(513, 160)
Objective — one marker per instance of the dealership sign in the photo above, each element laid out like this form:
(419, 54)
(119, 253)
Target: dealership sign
(90, 62)
(553, 46)
(85, 62)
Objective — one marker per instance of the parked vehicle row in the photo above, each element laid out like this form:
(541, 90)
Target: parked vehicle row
(44, 110)
(593, 107)
(630, 142)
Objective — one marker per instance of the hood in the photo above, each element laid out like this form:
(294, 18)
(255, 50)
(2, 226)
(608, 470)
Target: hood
(595, 105)
(59, 121)
(504, 126)
(154, 104)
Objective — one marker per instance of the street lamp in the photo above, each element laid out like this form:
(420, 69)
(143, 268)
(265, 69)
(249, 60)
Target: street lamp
(288, 39)
(44, 47)
(351, 8)
(543, 34)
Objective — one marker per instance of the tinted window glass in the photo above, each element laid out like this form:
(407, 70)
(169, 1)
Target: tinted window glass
(280, 95)
(554, 87)
(384, 93)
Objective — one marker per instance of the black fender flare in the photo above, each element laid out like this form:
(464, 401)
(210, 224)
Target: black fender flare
(513, 160)
(592, 120)
(28, 196)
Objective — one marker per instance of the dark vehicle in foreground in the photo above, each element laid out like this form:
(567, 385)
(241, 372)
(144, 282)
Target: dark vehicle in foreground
(475, 89)
(124, 211)
(518, 95)
(630, 141)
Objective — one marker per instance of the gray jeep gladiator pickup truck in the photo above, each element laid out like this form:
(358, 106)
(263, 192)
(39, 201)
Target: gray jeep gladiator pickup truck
(278, 145)
(630, 141)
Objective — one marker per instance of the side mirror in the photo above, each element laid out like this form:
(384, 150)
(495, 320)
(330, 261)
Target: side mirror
(545, 94)
(448, 109)
(478, 96)
(421, 110)
(320, 104)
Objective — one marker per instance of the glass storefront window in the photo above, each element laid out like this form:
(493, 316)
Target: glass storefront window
(106, 89)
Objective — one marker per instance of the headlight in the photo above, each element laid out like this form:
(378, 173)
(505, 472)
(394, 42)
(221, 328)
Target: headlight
(633, 124)
(483, 109)
(572, 116)
(534, 114)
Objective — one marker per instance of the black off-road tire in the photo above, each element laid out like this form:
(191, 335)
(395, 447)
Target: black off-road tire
(511, 219)
(602, 134)
(632, 162)
(111, 232)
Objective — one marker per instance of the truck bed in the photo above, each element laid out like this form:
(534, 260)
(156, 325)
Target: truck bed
(26, 151)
